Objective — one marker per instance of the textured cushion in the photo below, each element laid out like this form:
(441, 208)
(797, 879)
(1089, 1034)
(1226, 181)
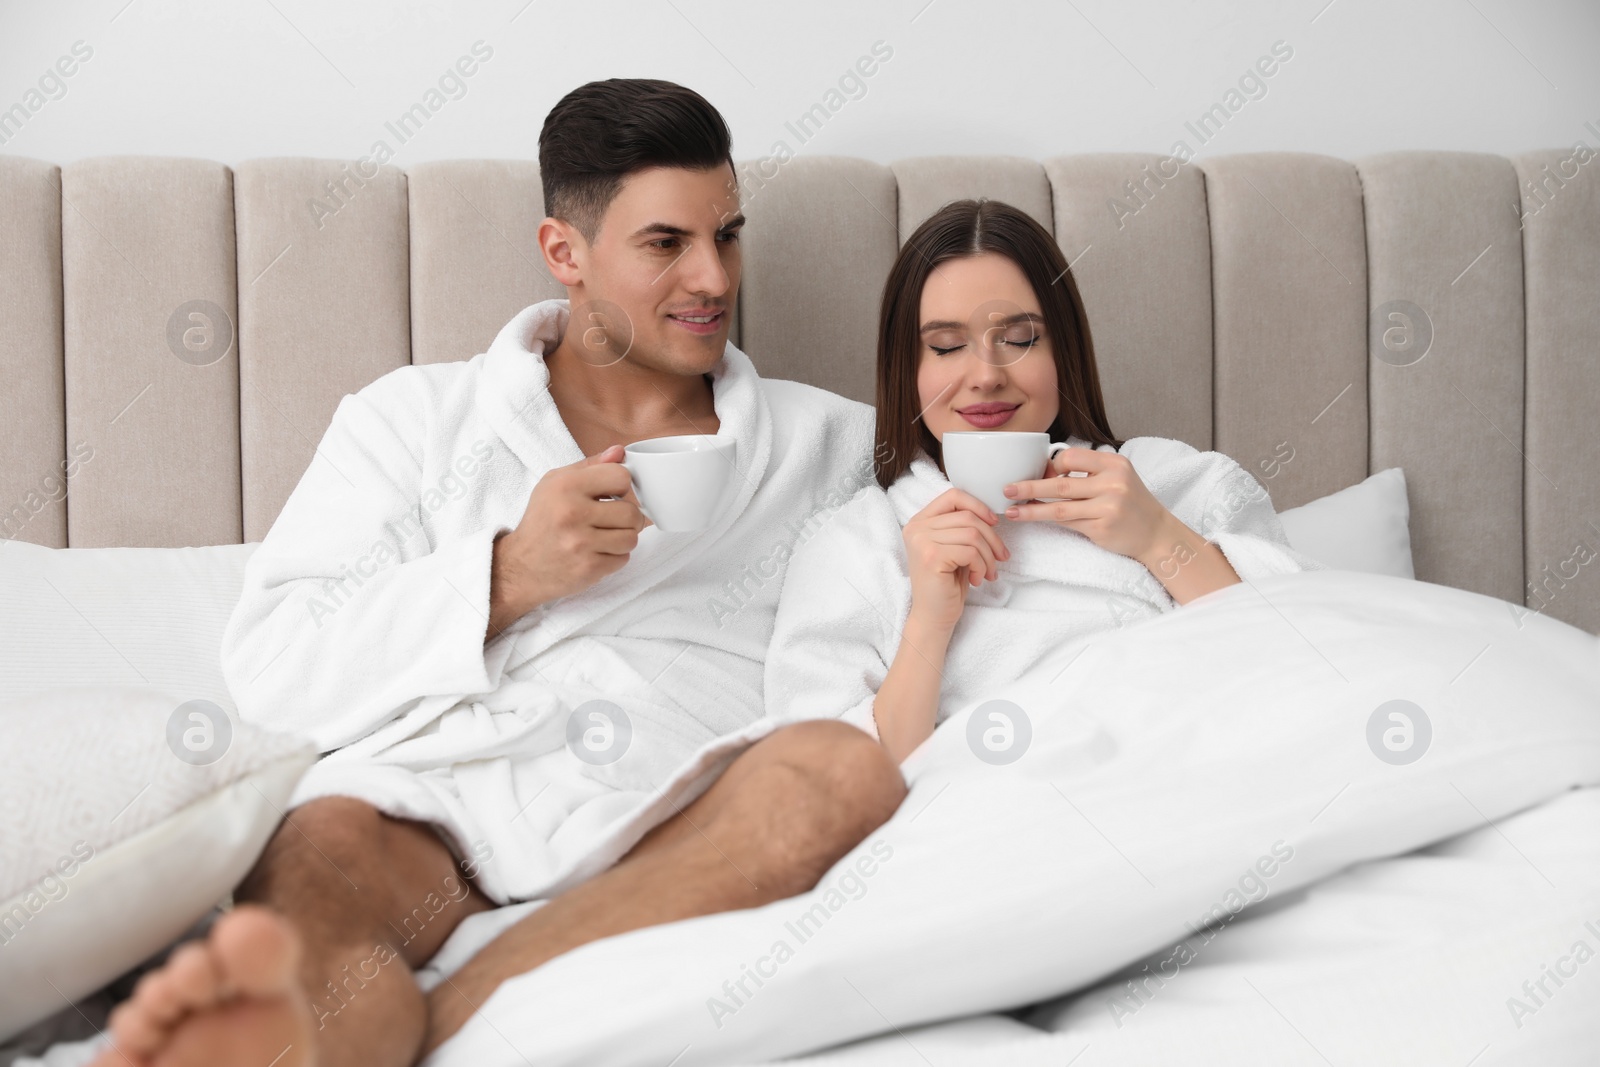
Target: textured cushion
(126, 814)
(1363, 528)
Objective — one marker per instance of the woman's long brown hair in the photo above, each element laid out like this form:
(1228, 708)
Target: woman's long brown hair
(966, 228)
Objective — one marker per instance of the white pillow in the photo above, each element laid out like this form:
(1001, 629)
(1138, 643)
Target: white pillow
(143, 627)
(117, 616)
(1363, 528)
(126, 814)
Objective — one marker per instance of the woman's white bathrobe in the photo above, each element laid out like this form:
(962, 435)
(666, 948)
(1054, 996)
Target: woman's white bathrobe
(848, 590)
(364, 610)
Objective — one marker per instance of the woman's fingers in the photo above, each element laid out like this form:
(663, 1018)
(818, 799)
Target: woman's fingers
(1065, 486)
(962, 529)
(966, 546)
(1089, 460)
(969, 565)
(958, 500)
(1070, 470)
(967, 520)
(1055, 511)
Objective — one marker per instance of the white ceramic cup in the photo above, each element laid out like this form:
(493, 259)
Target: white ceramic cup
(984, 462)
(681, 481)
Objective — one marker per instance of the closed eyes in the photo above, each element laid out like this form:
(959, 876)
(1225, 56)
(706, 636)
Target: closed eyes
(1025, 343)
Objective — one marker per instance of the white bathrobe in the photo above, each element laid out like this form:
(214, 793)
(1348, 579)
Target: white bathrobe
(363, 614)
(848, 590)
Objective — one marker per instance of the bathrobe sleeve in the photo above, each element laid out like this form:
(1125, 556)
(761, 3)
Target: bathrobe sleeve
(345, 621)
(1220, 500)
(837, 626)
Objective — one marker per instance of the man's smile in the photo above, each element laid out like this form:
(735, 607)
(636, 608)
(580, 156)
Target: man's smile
(701, 321)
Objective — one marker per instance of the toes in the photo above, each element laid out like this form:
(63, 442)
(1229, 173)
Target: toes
(257, 951)
(192, 978)
(186, 983)
(250, 958)
(243, 977)
(133, 1032)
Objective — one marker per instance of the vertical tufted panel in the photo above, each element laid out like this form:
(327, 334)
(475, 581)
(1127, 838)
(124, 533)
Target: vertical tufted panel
(324, 309)
(1442, 238)
(820, 240)
(152, 378)
(927, 183)
(1561, 260)
(475, 259)
(37, 469)
(1289, 284)
(1136, 235)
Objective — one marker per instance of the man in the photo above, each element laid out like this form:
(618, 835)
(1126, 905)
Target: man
(515, 673)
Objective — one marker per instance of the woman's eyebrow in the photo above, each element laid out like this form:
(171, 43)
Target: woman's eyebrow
(1024, 316)
(945, 324)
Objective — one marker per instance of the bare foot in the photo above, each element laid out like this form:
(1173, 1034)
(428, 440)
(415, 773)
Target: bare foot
(233, 999)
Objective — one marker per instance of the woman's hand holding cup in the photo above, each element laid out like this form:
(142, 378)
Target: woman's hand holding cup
(951, 544)
(1109, 503)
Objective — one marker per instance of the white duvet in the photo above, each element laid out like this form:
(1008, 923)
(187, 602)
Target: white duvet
(1436, 957)
(1179, 769)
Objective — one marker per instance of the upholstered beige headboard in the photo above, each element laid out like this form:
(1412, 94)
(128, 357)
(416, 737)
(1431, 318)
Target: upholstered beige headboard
(1261, 305)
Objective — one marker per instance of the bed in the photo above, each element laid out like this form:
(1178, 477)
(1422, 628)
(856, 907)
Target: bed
(1319, 320)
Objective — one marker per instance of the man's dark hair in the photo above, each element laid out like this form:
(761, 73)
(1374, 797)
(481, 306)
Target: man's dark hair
(601, 132)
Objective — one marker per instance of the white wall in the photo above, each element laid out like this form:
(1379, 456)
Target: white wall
(235, 79)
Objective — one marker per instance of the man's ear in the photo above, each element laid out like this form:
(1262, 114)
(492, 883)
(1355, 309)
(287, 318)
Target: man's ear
(562, 246)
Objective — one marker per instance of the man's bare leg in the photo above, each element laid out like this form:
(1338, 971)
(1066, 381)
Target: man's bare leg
(358, 890)
(373, 898)
(366, 899)
(782, 814)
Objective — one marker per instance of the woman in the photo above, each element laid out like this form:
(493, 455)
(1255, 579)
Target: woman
(913, 600)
